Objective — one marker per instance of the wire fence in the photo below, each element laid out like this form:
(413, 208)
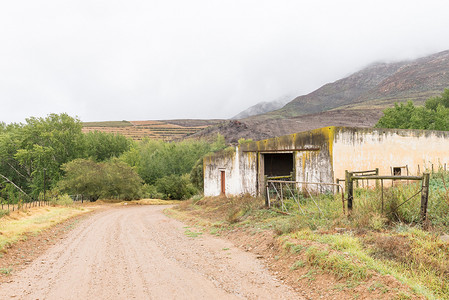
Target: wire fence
(303, 197)
(9, 205)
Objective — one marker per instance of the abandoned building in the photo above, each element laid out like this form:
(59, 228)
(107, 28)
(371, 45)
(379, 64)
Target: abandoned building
(323, 155)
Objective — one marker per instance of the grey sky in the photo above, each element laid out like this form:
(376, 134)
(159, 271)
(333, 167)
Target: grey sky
(142, 60)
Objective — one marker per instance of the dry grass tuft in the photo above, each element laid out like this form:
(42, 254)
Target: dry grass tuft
(16, 226)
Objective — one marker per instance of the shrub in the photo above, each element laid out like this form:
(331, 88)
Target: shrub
(176, 187)
(150, 191)
(95, 180)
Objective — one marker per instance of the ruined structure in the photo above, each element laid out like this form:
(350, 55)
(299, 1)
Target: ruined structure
(323, 155)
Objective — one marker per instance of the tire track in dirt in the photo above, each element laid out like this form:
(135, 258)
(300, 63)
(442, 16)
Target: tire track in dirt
(137, 252)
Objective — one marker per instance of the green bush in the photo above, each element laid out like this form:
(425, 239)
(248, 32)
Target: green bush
(176, 187)
(94, 180)
(155, 159)
(150, 191)
(434, 115)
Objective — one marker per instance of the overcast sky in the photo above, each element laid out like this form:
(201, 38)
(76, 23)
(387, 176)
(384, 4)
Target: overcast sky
(148, 59)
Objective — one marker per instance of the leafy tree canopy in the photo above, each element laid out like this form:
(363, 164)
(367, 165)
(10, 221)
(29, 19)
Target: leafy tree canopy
(39, 145)
(102, 146)
(100, 179)
(155, 159)
(434, 115)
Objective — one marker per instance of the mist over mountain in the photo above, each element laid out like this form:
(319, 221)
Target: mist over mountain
(264, 107)
(356, 100)
(377, 86)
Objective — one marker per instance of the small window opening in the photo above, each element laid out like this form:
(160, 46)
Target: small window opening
(397, 171)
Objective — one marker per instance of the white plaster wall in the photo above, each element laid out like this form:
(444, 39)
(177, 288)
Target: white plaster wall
(240, 173)
(367, 150)
(248, 171)
(228, 162)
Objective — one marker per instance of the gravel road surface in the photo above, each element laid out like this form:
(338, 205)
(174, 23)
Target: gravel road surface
(137, 252)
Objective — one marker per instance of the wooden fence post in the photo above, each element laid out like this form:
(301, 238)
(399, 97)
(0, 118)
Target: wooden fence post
(267, 191)
(350, 188)
(376, 172)
(424, 198)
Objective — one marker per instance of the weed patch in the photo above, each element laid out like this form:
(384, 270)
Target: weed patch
(20, 224)
(192, 234)
(336, 264)
(3, 213)
(6, 271)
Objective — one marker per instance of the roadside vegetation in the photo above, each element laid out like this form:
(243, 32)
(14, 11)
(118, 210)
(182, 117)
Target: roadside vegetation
(54, 156)
(363, 252)
(21, 224)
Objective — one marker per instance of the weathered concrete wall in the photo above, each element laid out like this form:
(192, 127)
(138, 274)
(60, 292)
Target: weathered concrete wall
(240, 173)
(312, 154)
(356, 149)
(248, 167)
(323, 155)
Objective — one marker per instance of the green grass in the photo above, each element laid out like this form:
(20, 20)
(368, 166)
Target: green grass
(371, 241)
(423, 268)
(298, 264)
(192, 234)
(336, 263)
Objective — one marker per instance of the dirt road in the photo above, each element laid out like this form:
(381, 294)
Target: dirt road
(138, 253)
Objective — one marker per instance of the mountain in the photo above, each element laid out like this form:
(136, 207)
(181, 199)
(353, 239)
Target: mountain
(356, 100)
(377, 86)
(263, 107)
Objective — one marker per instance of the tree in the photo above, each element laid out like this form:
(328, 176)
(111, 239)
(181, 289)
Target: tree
(197, 175)
(434, 115)
(398, 116)
(121, 180)
(41, 143)
(100, 180)
(84, 177)
(102, 146)
(176, 187)
(156, 159)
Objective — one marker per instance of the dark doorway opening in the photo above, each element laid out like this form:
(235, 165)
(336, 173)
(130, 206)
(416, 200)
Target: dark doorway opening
(278, 164)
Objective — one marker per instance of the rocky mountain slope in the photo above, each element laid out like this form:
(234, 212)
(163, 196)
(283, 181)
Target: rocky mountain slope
(377, 86)
(263, 107)
(357, 100)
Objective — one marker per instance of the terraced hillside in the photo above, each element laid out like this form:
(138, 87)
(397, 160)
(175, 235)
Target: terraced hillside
(163, 130)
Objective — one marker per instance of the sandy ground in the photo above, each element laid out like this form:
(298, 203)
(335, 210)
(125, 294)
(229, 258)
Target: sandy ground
(138, 253)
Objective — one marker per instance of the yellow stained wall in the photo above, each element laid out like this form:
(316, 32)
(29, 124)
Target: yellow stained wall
(356, 149)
